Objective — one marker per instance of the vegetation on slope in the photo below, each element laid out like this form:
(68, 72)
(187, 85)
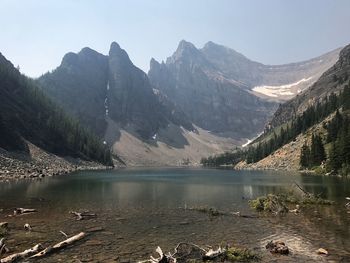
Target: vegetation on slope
(26, 113)
(338, 131)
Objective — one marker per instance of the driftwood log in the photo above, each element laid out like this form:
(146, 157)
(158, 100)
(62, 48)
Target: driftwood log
(301, 189)
(3, 248)
(22, 255)
(192, 251)
(22, 211)
(161, 259)
(83, 215)
(59, 246)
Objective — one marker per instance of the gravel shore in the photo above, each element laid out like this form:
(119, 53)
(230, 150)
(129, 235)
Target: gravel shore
(39, 163)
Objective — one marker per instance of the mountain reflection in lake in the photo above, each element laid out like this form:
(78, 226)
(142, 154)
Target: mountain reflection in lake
(140, 209)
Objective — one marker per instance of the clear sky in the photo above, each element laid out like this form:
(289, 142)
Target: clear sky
(35, 34)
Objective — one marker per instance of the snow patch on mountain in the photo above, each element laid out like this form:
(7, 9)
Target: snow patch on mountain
(282, 90)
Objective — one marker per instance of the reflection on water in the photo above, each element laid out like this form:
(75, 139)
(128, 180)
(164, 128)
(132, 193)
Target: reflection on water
(143, 208)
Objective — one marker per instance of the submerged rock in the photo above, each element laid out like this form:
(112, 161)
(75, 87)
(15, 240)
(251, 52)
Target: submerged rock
(278, 247)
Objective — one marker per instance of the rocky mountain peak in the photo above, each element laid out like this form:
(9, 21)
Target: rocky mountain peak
(183, 44)
(69, 59)
(86, 51)
(210, 45)
(116, 52)
(344, 56)
(154, 64)
(215, 52)
(185, 50)
(86, 57)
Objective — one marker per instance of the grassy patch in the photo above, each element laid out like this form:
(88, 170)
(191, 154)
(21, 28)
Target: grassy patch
(234, 254)
(3, 232)
(278, 203)
(269, 203)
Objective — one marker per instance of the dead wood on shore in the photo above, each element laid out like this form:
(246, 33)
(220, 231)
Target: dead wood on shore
(22, 255)
(83, 215)
(59, 246)
(213, 212)
(23, 211)
(187, 252)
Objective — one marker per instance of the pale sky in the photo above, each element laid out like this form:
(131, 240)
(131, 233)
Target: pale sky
(35, 34)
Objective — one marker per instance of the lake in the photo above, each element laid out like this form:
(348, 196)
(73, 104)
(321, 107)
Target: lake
(140, 209)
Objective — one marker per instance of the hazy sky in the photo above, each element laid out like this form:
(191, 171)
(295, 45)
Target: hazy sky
(35, 34)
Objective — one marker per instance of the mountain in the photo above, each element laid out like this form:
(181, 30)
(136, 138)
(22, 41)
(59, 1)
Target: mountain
(311, 130)
(114, 98)
(278, 82)
(224, 92)
(97, 88)
(27, 116)
(331, 81)
(211, 101)
(200, 102)
(79, 86)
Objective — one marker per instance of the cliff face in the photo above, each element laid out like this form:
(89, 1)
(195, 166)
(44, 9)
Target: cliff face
(95, 87)
(208, 90)
(79, 86)
(115, 99)
(211, 101)
(221, 90)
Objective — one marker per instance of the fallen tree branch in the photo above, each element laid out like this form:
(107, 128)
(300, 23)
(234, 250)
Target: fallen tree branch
(214, 212)
(304, 191)
(187, 252)
(83, 215)
(3, 247)
(63, 233)
(94, 229)
(161, 259)
(59, 246)
(212, 254)
(22, 211)
(21, 255)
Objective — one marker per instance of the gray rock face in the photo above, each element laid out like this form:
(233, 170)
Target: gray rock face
(235, 66)
(216, 86)
(210, 100)
(79, 86)
(131, 99)
(95, 87)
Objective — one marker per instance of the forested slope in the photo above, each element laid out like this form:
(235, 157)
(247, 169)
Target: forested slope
(26, 114)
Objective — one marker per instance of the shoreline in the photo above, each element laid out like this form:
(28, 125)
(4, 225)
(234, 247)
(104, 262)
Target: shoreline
(39, 164)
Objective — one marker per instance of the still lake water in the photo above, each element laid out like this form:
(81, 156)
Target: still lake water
(140, 209)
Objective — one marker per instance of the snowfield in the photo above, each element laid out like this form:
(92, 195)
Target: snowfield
(283, 90)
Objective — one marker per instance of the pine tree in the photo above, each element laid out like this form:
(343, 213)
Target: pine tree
(305, 156)
(317, 152)
(334, 160)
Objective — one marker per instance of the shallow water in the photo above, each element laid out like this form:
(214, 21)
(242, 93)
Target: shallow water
(140, 209)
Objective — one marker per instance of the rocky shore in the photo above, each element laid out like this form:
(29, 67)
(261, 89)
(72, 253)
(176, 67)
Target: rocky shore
(39, 163)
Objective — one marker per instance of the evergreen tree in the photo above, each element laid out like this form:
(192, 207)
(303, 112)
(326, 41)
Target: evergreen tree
(305, 156)
(317, 152)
